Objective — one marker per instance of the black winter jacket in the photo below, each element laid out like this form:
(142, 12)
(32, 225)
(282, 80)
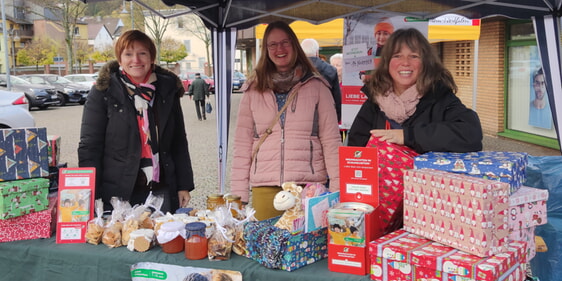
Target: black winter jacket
(440, 123)
(110, 140)
(331, 75)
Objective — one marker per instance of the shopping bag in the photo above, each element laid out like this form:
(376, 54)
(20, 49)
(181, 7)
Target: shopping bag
(208, 107)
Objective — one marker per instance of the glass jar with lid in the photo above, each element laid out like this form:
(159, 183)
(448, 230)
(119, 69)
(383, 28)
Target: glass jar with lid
(214, 201)
(171, 236)
(235, 203)
(195, 241)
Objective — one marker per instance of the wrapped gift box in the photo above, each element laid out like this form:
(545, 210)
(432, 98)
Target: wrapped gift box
(53, 150)
(23, 153)
(20, 197)
(30, 226)
(457, 210)
(402, 255)
(526, 235)
(278, 248)
(527, 207)
(503, 166)
(393, 160)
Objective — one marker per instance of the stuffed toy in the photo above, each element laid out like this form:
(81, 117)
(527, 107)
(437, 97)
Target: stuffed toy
(289, 200)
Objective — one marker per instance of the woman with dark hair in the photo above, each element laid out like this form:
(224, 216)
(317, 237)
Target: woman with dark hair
(133, 131)
(287, 128)
(412, 101)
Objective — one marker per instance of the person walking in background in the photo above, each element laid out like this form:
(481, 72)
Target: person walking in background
(539, 108)
(330, 73)
(287, 128)
(414, 95)
(198, 90)
(336, 60)
(133, 131)
(382, 31)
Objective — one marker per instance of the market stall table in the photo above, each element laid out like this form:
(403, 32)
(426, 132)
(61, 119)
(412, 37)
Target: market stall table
(43, 259)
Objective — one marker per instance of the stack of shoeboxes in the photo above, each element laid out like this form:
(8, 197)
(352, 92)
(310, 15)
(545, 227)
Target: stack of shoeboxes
(24, 203)
(386, 200)
(467, 207)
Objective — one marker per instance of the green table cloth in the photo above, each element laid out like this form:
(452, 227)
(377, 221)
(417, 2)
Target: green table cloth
(44, 260)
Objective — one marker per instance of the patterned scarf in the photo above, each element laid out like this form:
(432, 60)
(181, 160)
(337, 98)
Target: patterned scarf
(399, 108)
(142, 95)
(284, 81)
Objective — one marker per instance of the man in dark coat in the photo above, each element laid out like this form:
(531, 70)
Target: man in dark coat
(330, 73)
(198, 90)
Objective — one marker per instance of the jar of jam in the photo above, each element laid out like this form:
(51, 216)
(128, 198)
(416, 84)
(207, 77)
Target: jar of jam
(214, 201)
(235, 203)
(171, 237)
(195, 241)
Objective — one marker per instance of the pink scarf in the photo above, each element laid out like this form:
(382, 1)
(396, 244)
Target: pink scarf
(399, 108)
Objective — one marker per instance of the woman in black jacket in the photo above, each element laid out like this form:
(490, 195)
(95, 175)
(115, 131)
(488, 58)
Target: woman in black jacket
(133, 131)
(412, 101)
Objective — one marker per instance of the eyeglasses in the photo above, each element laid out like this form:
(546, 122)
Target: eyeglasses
(273, 45)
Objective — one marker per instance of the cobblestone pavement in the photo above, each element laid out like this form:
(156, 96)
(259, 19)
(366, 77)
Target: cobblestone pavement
(202, 137)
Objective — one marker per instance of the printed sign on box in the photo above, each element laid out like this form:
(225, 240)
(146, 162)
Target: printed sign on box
(76, 203)
(359, 175)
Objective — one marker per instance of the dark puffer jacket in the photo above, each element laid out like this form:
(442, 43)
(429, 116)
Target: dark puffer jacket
(441, 123)
(110, 140)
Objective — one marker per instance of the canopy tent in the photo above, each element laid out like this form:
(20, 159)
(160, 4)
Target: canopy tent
(224, 17)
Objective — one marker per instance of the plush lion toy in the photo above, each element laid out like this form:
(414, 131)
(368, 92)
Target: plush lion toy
(289, 200)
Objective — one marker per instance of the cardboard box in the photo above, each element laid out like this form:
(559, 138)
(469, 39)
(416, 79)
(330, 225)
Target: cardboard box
(526, 235)
(348, 250)
(402, 255)
(278, 248)
(527, 207)
(20, 197)
(457, 210)
(75, 203)
(30, 226)
(54, 150)
(23, 153)
(508, 167)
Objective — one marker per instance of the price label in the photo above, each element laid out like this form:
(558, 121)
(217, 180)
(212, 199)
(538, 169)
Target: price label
(70, 233)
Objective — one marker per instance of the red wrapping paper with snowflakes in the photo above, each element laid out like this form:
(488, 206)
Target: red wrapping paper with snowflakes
(402, 255)
(393, 160)
(457, 210)
(30, 226)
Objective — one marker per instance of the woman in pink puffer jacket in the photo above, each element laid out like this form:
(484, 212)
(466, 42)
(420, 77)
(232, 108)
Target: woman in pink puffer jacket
(303, 143)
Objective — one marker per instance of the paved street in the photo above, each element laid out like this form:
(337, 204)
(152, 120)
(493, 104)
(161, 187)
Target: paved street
(202, 135)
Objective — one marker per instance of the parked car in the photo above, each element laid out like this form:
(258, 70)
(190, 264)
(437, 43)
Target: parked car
(41, 96)
(86, 79)
(238, 79)
(14, 110)
(68, 91)
(186, 79)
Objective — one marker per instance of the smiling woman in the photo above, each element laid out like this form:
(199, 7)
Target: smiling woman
(284, 99)
(412, 101)
(135, 100)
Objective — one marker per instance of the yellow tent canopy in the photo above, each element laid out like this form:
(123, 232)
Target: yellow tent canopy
(327, 34)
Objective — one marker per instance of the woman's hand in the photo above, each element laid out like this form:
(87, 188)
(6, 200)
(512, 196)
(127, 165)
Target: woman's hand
(184, 198)
(392, 136)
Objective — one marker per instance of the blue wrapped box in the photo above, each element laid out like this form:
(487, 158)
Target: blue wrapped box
(508, 167)
(278, 248)
(23, 153)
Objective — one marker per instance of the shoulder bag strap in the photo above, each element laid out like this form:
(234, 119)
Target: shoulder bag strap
(268, 130)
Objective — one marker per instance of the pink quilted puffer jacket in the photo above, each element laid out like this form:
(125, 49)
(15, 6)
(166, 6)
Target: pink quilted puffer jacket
(304, 150)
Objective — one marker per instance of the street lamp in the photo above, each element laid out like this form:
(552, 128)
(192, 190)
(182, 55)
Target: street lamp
(13, 34)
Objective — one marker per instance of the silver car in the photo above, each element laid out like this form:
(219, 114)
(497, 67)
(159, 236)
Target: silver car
(14, 110)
